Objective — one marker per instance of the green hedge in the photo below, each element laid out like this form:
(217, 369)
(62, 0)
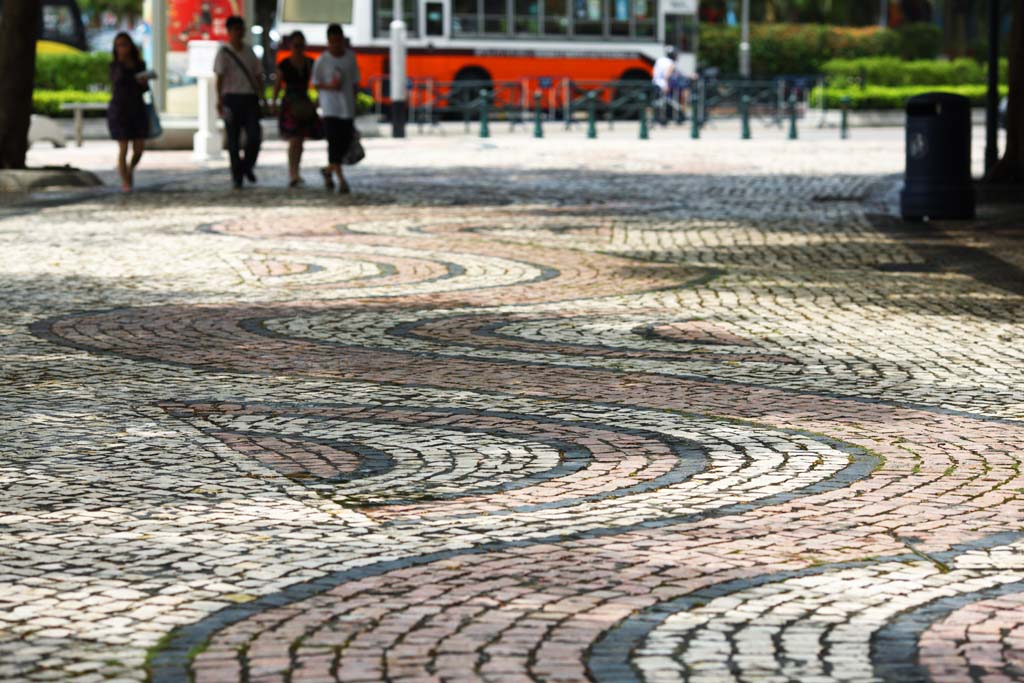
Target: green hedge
(804, 48)
(47, 102)
(892, 97)
(892, 71)
(73, 72)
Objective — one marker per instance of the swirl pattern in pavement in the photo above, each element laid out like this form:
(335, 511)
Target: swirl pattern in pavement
(531, 440)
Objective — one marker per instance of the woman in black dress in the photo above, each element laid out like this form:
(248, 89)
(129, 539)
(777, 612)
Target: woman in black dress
(297, 119)
(126, 116)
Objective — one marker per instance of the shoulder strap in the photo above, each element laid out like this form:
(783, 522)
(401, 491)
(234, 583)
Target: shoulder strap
(248, 76)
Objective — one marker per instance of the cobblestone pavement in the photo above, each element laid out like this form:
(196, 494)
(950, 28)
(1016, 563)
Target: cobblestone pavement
(515, 411)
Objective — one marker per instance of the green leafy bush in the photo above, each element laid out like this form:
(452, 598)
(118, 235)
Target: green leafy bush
(919, 41)
(48, 102)
(892, 71)
(83, 71)
(892, 97)
(778, 49)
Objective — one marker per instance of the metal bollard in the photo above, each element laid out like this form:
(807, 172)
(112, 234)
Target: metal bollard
(695, 117)
(538, 129)
(591, 114)
(485, 130)
(792, 117)
(745, 117)
(844, 120)
(644, 132)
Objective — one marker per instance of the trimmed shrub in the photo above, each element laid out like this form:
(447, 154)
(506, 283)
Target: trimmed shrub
(48, 102)
(892, 97)
(891, 71)
(919, 41)
(778, 49)
(83, 71)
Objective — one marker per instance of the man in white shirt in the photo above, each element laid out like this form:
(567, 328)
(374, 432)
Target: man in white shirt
(335, 76)
(239, 94)
(664, 66)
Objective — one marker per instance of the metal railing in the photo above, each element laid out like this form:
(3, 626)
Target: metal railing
(778, 102)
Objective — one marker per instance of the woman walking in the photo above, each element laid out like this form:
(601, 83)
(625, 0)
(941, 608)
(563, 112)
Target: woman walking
(297, 120)
(335, 76)
(127, 118)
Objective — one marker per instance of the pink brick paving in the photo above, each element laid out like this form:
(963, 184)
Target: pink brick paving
(540, 443)
(531, 613)
(985, 636)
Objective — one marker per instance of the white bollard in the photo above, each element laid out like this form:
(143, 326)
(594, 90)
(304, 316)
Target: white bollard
(206, 143)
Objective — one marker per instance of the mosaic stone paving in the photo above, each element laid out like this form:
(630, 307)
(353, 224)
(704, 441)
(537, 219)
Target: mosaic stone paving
(579, 414)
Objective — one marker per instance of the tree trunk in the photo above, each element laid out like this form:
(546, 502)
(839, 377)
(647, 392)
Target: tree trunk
(1010, 168)
(19, 27)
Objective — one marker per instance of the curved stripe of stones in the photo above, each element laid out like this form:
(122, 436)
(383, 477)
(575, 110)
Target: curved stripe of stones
(327, 269)
(259, 628)
(850, 621)
(575, 454)
(376, 330)
(371, 333)
(805, 366)
(490, 332)
(694, 465)
(580, 274)
(987, 636)
(916, 439)
(840, 355)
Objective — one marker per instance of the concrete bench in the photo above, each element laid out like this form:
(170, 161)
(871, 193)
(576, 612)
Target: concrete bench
(79, 109)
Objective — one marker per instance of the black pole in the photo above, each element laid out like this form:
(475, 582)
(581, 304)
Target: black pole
(992, 101)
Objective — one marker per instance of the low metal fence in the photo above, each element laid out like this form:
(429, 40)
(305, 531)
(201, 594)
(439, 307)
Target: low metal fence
(703, 102)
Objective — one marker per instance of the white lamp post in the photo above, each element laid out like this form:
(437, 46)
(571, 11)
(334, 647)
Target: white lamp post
(399, 104)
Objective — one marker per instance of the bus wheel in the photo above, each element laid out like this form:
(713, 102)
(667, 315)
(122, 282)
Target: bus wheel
(632, 83)
(466, 88)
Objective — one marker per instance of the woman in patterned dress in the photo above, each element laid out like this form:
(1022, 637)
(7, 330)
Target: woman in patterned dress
(297, 119)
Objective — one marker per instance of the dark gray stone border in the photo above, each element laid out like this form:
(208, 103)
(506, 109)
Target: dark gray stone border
(170, 662)
(608, 660)
(895, 655)
(691, 457)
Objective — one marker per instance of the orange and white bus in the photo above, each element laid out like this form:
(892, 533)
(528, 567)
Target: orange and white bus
(537, 41)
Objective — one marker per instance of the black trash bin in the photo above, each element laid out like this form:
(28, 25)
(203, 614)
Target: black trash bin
(938, 179)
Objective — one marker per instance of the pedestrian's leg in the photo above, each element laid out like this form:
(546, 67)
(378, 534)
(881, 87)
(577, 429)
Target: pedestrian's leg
(294, 157)
(138, 147)
(253, 138)
(234, 131)
(345, 135)
(122, 166)
(332, 131)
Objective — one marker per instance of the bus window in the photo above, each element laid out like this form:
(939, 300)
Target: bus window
(681, 32)
(588, 18)
(619, 23)
(527, 19)
(464, 17)
(495, 16)
(384, 11)
(434, 18)
(646, 18)
(556, 17)
(318, 11)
